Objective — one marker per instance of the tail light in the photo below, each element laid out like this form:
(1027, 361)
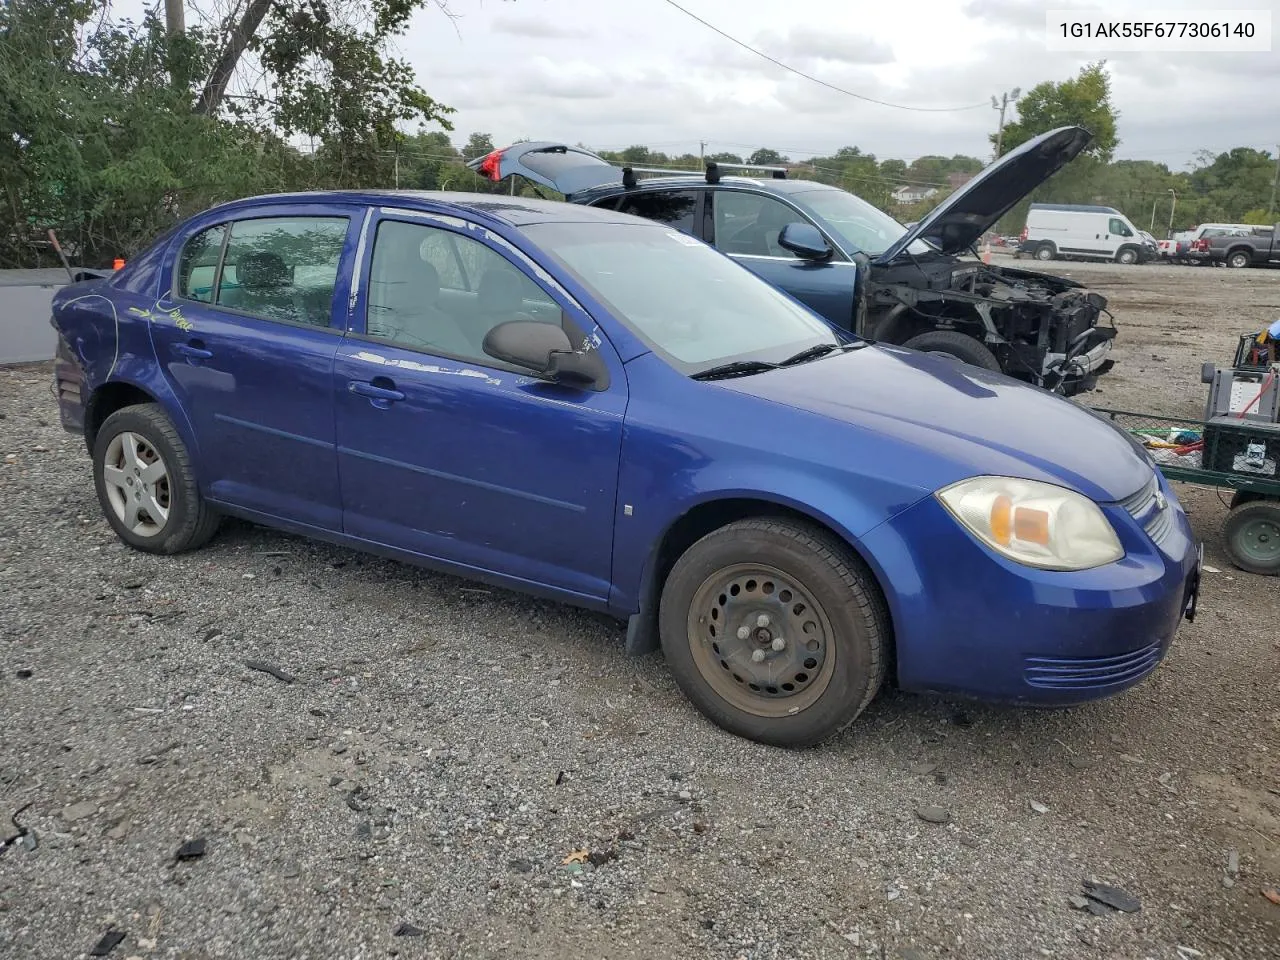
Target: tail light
(491, 166)
(1202, 246)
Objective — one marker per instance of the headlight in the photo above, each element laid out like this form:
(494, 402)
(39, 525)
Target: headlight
(1038, 524)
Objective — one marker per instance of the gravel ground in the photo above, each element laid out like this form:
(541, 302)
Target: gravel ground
(442, 750)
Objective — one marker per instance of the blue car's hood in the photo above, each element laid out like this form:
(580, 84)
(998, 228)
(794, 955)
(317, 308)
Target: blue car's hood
(980, 422)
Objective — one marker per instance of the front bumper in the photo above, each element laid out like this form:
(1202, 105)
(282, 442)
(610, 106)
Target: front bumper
(971, 623)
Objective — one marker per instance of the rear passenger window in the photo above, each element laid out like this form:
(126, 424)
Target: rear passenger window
(283, 268)
(198, 265)
(675, 208)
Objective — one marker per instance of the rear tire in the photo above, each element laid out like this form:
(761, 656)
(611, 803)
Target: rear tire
(1046, 251)
(1252, 532)
(775, 630)
(1238, 259)
(952, 343)
(146, 483)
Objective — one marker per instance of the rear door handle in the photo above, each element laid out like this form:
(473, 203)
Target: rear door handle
(374, 392)
(192, 351)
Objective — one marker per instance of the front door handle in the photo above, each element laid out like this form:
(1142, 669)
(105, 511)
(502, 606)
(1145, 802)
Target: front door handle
(381, 396)
(192, 350)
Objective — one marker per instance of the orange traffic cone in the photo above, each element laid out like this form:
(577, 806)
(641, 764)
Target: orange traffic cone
(117, 263)
(986, 252)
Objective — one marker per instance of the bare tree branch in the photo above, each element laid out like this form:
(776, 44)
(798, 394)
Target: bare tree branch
(237, 40)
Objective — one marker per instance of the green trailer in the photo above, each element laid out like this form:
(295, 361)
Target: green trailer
(1236, 454)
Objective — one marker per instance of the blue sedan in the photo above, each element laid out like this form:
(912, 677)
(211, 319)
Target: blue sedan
(599, 409)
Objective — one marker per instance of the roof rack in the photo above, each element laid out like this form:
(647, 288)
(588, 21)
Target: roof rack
(713, 173)
(713, 170)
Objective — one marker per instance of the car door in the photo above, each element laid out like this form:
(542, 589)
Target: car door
(1117, 235)
(247, 337)
(448, 453)
(746, 224)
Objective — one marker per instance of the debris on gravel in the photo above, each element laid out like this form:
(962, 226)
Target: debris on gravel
(1114, 897)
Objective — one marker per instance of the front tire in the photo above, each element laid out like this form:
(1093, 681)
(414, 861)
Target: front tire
(1127, 255)
(1046, 251)
(952, 343)
(146, 483)
(775, 630)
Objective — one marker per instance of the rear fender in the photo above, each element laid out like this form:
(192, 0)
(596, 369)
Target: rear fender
(146, 377)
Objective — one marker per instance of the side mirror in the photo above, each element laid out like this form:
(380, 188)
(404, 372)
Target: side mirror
(805, 241)
(544, 349)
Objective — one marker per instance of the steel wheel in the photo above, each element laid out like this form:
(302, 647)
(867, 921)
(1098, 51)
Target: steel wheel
(137, 484)
(1253, 536)
(760, 640)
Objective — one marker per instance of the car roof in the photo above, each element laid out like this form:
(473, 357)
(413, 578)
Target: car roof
(698, 181)
(514, 211)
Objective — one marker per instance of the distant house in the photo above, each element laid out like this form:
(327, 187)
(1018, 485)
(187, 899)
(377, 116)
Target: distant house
(912, 194)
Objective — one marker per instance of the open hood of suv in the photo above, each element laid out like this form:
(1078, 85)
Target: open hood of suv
(956, 224)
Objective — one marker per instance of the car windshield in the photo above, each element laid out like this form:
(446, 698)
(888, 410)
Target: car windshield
(692, 305)
(856, 223)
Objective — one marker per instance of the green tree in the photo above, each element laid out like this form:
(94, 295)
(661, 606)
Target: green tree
(1084, 100)
(478, 145)
(765, 157)
(724, 158)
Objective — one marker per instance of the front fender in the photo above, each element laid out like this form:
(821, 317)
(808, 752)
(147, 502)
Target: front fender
(640, 536)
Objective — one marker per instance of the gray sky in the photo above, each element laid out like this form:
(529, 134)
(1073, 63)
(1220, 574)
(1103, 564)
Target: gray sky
(611, 73)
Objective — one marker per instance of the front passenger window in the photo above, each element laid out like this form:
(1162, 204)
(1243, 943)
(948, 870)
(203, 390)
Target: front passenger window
(414, 304)
(748, 224)
(1119, 229)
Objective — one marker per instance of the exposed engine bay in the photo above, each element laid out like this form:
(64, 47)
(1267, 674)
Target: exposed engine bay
(1038, 328)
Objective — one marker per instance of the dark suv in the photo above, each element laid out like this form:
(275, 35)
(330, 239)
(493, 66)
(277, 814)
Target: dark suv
(857, 266)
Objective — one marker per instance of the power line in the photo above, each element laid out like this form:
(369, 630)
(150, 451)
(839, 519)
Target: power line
(810, 77)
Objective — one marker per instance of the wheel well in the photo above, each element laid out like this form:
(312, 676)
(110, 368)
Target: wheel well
(106, 400)
(1239, 249)
(642, 630)
(902, 323)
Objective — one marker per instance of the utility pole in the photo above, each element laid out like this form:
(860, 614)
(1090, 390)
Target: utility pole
(702, 150)
(174, 17)
(1271, 207)
(1173, 205)
(1152, 228)
(1002, 104)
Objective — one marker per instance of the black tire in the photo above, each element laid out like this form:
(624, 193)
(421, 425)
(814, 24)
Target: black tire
(1246, 496)
(1126, 255)
(842, 588)
(1238, 259)
(1046, 251)
(1252, 532)
(190, 521)
(955, 344)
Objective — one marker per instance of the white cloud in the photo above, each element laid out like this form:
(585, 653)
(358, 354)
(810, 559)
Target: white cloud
(612, 73)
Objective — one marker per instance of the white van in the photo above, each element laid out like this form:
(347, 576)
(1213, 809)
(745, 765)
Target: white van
(1080, 231)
